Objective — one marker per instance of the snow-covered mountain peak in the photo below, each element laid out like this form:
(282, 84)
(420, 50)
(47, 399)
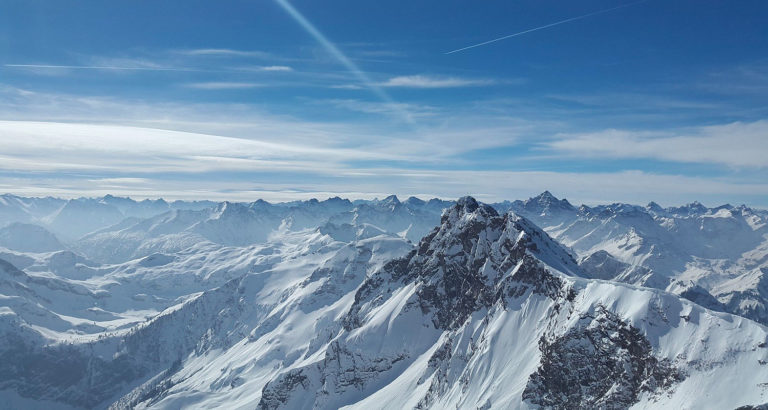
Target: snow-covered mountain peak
(549, 202)
(413, 201)
(545, 197)
(654, 208)
(228, 209)
(467, 207)
(465, 262)
(692, 209)
(338, 202)
(390, 202)
(544, 205)
(469, 222)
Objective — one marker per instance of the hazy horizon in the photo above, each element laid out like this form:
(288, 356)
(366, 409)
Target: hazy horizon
(379, 197)
(600, 101)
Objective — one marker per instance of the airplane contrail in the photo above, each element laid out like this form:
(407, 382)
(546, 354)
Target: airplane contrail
(594, 13)
(331, 48)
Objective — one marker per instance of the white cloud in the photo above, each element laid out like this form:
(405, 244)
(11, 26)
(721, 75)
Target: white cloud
(264, 68)
(223, 85)
(737, 144)
(750, 79)
(39, 67)
(347, 87)
(224, 119)
(141, 64)
(52, 147)
(225, 52)
(393, 109)
(423, 81)
(276, 68)
(122, 181)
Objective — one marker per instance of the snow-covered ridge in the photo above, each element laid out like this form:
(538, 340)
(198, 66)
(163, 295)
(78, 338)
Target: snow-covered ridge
(114, 229)
(715, 256)
(329, 304)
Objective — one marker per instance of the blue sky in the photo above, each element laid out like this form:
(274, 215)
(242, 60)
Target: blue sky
(656, 100)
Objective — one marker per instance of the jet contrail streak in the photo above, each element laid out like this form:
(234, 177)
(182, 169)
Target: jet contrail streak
(594, 13)
(343, 59)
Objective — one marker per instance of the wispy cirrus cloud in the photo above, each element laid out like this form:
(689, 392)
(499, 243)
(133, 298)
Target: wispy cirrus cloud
(738, 144)
(283, 68)
(262, 69)
(98, 67)
(52, 147)
(63, 69)
(225, 52)
(158, 61)
(378, 53)
(390, 109)
(347, 87)
(223, 85)
(750, 79)
(235, 151)
(425, 81)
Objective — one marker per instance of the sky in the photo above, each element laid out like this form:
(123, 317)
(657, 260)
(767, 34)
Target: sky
(596, 100)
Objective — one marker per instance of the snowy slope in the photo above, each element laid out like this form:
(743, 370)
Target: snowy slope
(28, 238)
(710, 253)
(486, 311)
(125, 319)
(29, 210)
(411, 219)
(475, 319)
(242, 224)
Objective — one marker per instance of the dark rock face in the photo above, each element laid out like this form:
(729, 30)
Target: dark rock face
(474, 259)
(276, 393)
(699, 295)
(340, 371)
(603, 362)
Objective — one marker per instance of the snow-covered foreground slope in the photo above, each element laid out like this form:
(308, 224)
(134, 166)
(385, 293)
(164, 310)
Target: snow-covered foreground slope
(93, 339)
(486, 311)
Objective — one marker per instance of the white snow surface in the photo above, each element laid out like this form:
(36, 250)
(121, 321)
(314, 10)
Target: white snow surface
(241, 306)
(722, 251)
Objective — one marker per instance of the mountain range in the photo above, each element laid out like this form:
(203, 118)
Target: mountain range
(115, 303)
